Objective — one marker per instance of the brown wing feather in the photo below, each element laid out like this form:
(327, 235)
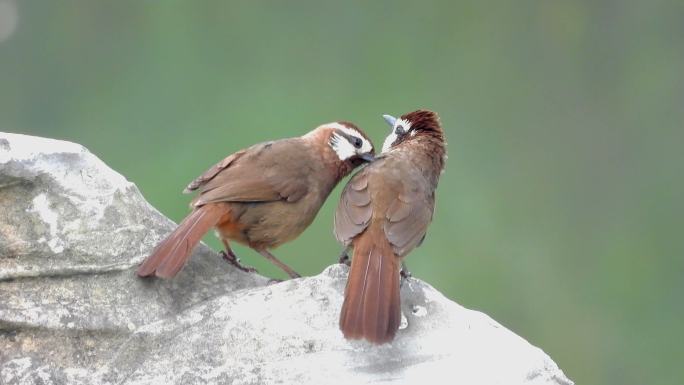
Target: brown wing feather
(249, 189)
(407, 220)
(354, 210)
(211, 173)
(262, 173)
(396, 193)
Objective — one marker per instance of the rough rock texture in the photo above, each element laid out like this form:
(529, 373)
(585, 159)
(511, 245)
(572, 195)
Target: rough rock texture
(72, 310)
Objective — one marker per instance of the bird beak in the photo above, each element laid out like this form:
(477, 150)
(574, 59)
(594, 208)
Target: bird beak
(390, 119)
(367, 157)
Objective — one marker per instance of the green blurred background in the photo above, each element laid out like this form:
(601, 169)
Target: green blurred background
(560, 213)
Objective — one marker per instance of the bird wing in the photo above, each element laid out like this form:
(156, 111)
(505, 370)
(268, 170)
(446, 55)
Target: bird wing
(265, 172)
(212, 171)
(354, 211)
(393, 193)
(407, 218)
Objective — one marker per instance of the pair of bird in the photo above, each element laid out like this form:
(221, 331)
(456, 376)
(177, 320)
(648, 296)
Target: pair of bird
(268, 194)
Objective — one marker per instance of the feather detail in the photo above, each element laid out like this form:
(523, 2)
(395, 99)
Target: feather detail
(372, 305)
(169, 257)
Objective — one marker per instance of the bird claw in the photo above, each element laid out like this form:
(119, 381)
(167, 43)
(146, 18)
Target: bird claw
(233, 259)
(405, 276)
(344, 258)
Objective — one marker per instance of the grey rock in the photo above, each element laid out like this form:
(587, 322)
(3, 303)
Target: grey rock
(72, 310)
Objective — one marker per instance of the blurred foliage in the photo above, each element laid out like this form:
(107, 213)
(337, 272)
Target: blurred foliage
(560, 213)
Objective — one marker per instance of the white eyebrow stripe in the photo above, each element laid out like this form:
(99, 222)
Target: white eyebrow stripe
(405, 124)
(342, 147)
(392, 137)
(366, 145)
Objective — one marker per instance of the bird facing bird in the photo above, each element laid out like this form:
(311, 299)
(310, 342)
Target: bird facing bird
(268, 194)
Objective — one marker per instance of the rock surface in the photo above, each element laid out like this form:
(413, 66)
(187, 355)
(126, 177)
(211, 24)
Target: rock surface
(72, 310)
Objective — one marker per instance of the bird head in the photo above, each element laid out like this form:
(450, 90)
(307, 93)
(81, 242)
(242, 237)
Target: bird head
(411, 126)
(350, 143)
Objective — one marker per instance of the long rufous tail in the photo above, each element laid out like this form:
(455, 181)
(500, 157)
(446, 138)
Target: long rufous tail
(171, 254)
(372, 307)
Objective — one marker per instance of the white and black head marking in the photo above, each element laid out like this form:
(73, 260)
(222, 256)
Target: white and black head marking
(348, 142)
(400, 127)
(412, 126)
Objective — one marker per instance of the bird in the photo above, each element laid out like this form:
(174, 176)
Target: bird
(263, 196)
(383, 214)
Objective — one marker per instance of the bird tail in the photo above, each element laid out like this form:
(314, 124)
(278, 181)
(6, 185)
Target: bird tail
(372, 307)
(171, 254)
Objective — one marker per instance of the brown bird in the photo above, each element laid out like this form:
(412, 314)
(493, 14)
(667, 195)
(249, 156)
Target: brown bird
(384, 213)
(263, 196)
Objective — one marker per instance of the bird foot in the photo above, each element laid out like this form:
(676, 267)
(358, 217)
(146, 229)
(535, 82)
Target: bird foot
(405, 276)
(344, 258)
(233, 259)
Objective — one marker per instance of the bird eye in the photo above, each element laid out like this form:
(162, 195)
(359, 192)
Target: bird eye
(400, 129)
(357, 142)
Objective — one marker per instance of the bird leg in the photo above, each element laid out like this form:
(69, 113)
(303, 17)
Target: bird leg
(275, 261)
(344, 257)
(404, 273)
(229, 256)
